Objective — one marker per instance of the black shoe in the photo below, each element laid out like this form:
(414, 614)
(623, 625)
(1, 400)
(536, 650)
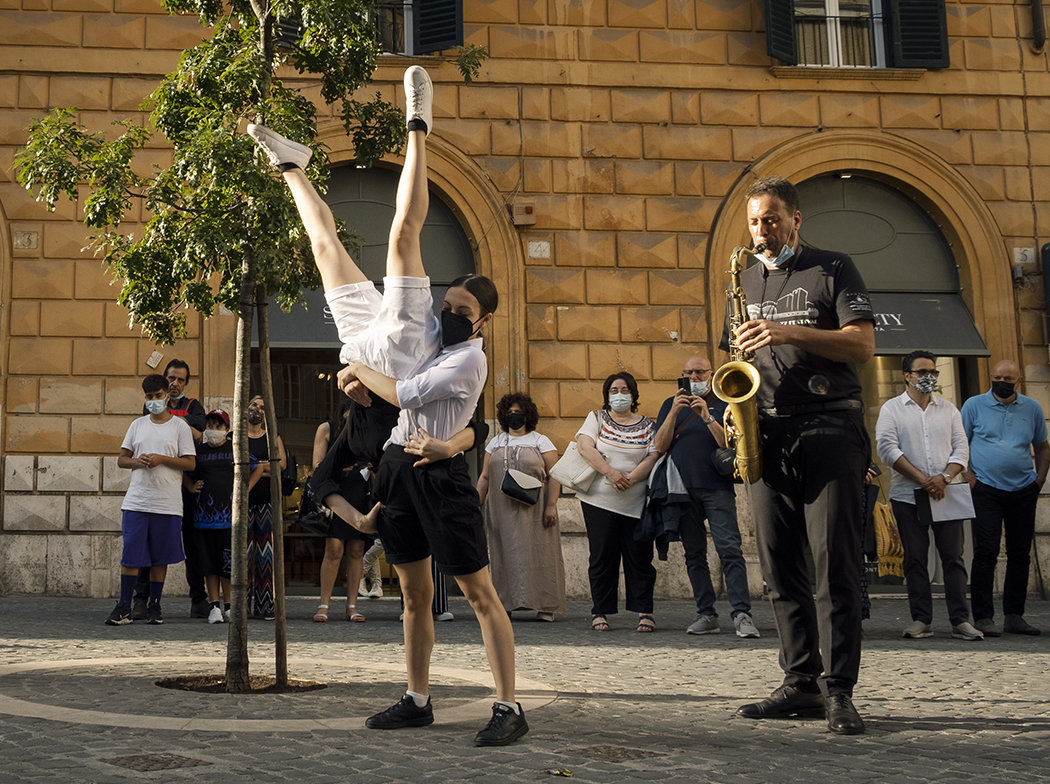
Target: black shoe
(153, 615)
(121, 616)
(504, 727)
(1016, 624)
(843, 718)
(405, 714)
(138, 609)
(200, 609)
(783, 703)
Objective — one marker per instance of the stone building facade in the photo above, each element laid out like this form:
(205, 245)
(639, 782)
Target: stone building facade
(632, 128)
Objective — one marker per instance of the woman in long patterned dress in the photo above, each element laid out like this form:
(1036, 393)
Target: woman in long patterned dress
(260, 522)
(524, 541)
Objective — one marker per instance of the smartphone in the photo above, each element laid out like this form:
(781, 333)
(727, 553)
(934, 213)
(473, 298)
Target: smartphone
(683, 384)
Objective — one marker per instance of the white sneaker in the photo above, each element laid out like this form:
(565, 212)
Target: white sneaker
(419, 97)
(226, 615)
(362, 589)
(216, 616)
(916, 630)
(279, 149)
(377, 589)
(965, 631)
(445, 616)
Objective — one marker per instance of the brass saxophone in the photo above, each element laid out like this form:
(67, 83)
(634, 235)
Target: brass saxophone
(736, 382)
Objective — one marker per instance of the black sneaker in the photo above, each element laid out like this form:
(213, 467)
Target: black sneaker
(121, 616)
(504, 727)
(138, 609)
(153, 615)
(405, 714)
(200, 608)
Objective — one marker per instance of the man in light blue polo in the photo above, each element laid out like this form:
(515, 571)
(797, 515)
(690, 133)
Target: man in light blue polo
(1004, 428)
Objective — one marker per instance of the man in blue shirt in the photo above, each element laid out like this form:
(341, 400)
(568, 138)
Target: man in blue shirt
(1004, 427)
(690, 428)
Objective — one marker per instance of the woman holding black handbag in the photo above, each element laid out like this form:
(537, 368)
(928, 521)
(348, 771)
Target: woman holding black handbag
(522, 527)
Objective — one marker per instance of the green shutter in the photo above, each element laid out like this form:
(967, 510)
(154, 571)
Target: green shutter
(780, 30)
(918, 34)
(439, 25)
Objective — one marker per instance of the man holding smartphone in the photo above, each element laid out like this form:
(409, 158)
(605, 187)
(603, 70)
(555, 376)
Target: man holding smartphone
(690, 429)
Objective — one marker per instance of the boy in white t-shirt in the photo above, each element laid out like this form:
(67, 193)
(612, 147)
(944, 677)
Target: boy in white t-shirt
(157, 448)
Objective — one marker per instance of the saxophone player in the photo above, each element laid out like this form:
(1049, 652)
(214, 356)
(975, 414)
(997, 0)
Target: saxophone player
(810, 323)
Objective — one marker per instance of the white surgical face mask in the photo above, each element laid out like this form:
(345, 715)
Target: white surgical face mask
(620, 403)
(156, 407)
(699, 388)
(214, 437)
(782, 258)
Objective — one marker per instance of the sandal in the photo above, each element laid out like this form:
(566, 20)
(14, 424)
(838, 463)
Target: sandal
(599, 623)
(353, 615)
(646, 623)
(321, 616)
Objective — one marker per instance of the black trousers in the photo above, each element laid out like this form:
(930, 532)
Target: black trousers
(811, 491)
(915, 537)
(994, 511)
(611, 540)
(194, 575)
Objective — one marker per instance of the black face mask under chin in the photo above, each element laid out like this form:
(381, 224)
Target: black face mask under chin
(455, 328)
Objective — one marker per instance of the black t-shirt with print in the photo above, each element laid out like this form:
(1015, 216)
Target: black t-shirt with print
(215, 500)
(817, 288)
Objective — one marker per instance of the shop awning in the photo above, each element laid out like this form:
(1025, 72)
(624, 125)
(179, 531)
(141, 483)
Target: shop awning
(938, 322)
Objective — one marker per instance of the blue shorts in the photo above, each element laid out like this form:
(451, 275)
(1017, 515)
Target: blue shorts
(151, 539)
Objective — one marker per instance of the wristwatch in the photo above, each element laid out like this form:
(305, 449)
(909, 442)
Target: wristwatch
(947, 477)
(708, 421)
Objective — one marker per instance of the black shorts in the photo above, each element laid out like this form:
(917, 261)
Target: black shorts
(430, 511)
(215, 545)
(344, 532)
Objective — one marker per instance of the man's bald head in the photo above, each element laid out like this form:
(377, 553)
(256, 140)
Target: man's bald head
(1006, 370)
(696, 362)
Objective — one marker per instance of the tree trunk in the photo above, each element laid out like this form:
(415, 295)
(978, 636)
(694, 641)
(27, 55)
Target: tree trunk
(276, 507)
(237, 641)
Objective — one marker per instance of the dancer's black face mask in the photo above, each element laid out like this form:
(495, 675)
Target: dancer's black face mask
(455, 328)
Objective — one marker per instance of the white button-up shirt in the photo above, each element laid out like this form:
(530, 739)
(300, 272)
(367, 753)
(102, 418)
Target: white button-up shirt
(930, 439)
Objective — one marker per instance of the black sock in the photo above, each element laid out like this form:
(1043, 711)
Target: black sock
(283, 167)
(215, 603)
(417, 124)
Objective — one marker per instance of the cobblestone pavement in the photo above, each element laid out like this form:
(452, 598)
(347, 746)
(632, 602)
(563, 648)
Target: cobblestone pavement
(78, 702)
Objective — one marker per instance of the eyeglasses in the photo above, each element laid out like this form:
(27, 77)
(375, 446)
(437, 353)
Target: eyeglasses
(921, 373)
(689, 373)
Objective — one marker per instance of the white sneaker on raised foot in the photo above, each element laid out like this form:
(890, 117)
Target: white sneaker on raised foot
(377, 589)
(419, 97)
(216, 616)
(279, 149)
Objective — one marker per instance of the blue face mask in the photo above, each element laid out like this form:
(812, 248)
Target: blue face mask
(699, 388)
(782, 258)
(620, 402)
(179, 396)
(156, 407)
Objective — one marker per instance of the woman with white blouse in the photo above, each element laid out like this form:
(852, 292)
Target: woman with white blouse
(617, 442)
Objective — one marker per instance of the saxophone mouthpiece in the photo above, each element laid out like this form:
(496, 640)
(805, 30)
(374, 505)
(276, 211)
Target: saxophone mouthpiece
(760, 247)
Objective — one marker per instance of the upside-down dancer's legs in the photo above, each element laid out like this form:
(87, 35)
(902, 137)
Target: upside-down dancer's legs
(404, 257)
(333, 262)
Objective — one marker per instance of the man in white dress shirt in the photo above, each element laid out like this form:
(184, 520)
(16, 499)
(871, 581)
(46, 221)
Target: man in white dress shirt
(921, 437)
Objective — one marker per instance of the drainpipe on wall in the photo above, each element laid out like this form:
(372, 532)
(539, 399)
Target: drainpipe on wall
(1038, 26)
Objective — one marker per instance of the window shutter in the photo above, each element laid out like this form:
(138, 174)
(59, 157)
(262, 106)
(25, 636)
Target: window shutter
(780, 30)
(439, 25)
(918, 34)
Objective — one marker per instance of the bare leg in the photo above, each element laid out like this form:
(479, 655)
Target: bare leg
(496, 629)
(333, 262)
(417, 588)
(211, 584)
(355, 551)
(333, 554)
(404, 258)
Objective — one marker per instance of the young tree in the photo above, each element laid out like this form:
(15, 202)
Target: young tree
(222, 229)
